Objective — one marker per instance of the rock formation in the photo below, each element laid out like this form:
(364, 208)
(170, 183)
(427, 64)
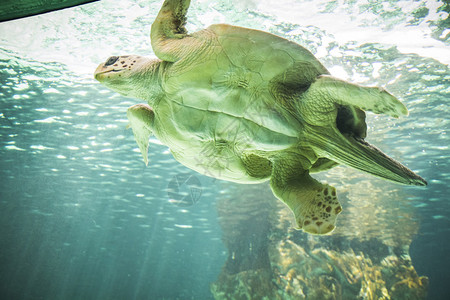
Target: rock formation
(365, 258)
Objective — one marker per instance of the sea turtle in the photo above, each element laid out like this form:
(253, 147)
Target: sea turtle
(248, 106)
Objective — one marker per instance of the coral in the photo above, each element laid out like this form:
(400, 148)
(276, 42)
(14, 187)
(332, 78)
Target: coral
(250, 284)
(268, 260)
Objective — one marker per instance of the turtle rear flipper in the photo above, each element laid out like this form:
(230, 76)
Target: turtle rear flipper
(315, 205)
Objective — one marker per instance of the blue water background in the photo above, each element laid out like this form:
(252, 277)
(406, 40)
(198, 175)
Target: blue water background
(81, 217)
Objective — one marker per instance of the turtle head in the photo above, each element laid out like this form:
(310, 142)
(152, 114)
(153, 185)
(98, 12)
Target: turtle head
(130, 75)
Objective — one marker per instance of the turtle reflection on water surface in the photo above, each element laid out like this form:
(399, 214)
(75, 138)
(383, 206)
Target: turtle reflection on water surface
(248, 106)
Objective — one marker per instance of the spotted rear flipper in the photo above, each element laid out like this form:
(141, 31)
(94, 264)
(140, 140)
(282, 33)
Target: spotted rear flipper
(315, 205)
(318, 214)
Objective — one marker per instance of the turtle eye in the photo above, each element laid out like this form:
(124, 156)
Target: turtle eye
(111, 60)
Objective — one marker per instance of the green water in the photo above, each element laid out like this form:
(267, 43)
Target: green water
(81, 217)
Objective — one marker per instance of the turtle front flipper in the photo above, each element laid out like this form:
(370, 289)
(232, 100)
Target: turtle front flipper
(168, 29)
(374, 99)
(335, 126)
(315, 205)
(141, 118)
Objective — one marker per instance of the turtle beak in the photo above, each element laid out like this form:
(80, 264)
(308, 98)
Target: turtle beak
(99, 71)
(357, 153)
(108, 67)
